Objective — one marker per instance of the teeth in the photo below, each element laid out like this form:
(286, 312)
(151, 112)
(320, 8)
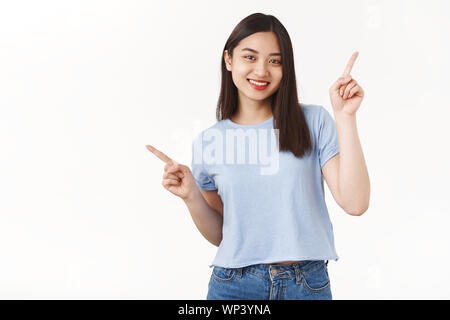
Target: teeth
(258, 83)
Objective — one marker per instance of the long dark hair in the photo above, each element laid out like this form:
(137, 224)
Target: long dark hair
(287, 112)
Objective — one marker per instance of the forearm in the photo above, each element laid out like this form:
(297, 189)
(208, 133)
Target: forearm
(208, 221)
(354, 184)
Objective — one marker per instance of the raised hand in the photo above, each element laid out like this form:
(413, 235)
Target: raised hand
(346, 94)
(177, 178)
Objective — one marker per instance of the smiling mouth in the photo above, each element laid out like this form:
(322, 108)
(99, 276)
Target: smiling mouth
(258, 84)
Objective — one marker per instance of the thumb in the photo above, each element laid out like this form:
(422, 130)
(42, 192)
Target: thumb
(340, 82)
(177, 167)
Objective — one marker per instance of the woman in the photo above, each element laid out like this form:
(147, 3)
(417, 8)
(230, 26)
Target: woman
(272, 227)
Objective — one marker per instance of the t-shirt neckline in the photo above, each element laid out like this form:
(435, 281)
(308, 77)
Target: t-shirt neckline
(234, 124)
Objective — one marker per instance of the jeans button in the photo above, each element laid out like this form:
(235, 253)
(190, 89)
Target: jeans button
(273, 272)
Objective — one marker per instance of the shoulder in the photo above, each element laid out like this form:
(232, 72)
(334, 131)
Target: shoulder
(314, 114)
(312, 110)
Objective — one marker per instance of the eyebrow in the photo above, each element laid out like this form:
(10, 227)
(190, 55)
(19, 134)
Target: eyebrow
(253, 50)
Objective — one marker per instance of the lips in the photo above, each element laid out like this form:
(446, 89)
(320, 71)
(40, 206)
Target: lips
(258, 80)
(258, 87)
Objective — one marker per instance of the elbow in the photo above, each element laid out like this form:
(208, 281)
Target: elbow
(356, 206)
(358, 210)
(216, 242)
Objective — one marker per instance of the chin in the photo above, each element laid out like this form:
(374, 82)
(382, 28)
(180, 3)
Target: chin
(257, 97)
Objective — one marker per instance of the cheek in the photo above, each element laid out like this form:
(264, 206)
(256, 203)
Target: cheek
(277, 80)
(278, 76)
(237, 79)
(240, 75)
(241, 71)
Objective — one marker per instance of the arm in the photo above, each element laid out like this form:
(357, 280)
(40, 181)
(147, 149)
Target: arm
(178, 179)
(349, 176)
(213, 199)
(353, 177)
(208, 221)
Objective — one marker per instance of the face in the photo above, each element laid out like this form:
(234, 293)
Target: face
(257, 57)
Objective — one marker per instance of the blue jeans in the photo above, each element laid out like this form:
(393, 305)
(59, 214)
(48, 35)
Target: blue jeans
(304, 280)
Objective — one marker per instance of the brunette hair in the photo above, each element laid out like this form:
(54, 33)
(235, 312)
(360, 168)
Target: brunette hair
(287, 112)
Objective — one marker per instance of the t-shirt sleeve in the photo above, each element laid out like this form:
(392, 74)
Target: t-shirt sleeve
(327, 138)
(202, 178)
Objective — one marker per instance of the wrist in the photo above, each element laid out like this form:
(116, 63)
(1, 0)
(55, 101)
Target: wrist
(344, 117)
(192, 195)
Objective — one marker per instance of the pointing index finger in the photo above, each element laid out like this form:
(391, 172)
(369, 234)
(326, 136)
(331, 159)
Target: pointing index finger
(350, 64)
(159, 154)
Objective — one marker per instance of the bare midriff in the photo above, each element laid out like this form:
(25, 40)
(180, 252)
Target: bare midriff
(283, 263)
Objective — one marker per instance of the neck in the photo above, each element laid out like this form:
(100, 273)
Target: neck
(252, 112)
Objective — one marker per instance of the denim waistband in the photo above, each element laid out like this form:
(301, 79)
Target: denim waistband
(273, 271)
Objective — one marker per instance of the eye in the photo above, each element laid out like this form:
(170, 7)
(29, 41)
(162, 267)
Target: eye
(277, 61)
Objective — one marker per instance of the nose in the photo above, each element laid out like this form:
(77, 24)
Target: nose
(261, 69)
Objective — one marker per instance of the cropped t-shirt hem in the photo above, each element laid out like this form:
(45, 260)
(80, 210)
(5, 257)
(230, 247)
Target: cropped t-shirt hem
(246, 264)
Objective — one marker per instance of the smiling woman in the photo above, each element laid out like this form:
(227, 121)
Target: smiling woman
(259, 84)
(272, 227)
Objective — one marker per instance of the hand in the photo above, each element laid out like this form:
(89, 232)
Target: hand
(177, 178)
(345, 94)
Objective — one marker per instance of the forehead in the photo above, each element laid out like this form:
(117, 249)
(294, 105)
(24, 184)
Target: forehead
(263, 42)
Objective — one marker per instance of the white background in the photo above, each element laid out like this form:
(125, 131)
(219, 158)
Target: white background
(85, 85)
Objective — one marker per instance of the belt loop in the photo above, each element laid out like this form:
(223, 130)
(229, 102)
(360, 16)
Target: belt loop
(239, 272)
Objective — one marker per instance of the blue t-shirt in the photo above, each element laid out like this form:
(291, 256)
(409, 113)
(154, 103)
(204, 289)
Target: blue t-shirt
(273, 202)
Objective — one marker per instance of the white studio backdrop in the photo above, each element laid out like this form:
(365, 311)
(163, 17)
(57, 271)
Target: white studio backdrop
(85, 85)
